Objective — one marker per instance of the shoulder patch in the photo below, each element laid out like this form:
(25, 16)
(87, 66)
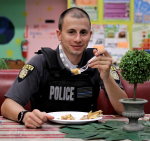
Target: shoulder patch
(114, 74)
(113, 68)
(25, 71)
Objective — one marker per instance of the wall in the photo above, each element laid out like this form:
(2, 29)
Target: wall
(128, 23)
(14, 11)
(40, 33)
(102, 21)
(28, 18)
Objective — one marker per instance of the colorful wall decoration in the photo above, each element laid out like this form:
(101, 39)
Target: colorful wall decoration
(141, 28)
(41, 23)
(102, 21)
(36, 21)
(33, 20)
(142, 11)
(90, 6)
(117, 10)
(12, 23)
(7, 30)
(115, 33)
(141, 36)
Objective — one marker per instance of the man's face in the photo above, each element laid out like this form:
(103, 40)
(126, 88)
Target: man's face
(74, 36)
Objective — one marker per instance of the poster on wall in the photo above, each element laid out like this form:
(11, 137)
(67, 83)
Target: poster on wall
(114, 38)
(116, 10)
(90, 6)
(97, 38)
(142, 11)
(116, 41)
(141, 36)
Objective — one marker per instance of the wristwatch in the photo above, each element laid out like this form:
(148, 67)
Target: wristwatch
(21, 116)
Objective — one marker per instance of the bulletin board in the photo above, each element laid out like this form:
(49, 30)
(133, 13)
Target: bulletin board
(141, 28)
(104, 27)
(90, 6)
(142, 11)
(116, 10)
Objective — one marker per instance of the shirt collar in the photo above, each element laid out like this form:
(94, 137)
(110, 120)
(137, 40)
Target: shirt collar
(66, 62)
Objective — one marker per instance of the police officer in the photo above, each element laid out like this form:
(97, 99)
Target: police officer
(47, 81)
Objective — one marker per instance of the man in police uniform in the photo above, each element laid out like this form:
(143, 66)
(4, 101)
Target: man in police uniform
(48, 82)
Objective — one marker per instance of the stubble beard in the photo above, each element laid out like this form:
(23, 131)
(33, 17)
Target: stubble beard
(76, 54)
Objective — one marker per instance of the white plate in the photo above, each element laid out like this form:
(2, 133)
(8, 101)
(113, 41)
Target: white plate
(76, 115)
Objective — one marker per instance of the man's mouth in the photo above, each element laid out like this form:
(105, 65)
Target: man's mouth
(77, 46)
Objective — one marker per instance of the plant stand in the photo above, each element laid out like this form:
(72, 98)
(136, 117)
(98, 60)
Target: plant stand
(133, 110)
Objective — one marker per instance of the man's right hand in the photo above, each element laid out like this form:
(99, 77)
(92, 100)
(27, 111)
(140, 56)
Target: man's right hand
(36, 118)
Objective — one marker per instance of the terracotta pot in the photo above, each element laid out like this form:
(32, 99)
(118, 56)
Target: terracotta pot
(133, 110)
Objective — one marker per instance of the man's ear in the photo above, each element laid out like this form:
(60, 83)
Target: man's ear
(58, 32)
(91, 33)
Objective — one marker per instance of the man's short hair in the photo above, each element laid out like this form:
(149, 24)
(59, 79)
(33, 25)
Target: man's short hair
(74, 12)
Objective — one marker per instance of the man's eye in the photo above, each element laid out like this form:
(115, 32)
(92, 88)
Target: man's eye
(83, 32)
(71, 32)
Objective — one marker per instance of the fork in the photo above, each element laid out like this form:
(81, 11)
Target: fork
(84, 68)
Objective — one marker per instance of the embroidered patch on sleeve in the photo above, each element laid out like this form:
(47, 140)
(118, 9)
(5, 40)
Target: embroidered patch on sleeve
(114, 74)
(113, 68)
(25, 71)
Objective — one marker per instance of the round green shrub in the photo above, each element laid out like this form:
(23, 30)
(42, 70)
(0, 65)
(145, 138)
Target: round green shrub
(135, 66)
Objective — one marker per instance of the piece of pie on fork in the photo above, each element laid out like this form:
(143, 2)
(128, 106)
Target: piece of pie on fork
(76, 71)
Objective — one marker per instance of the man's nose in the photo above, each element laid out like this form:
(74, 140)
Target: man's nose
(78, 38)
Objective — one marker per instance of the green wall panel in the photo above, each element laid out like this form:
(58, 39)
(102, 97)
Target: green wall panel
(14, 11)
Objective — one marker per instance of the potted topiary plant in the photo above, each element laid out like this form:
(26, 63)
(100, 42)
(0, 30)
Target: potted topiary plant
(135, 68)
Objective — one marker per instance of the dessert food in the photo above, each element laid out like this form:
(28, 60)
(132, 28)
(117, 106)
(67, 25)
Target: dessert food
(91, 115)
(76, 71)
(67, 117)
(85, 117)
